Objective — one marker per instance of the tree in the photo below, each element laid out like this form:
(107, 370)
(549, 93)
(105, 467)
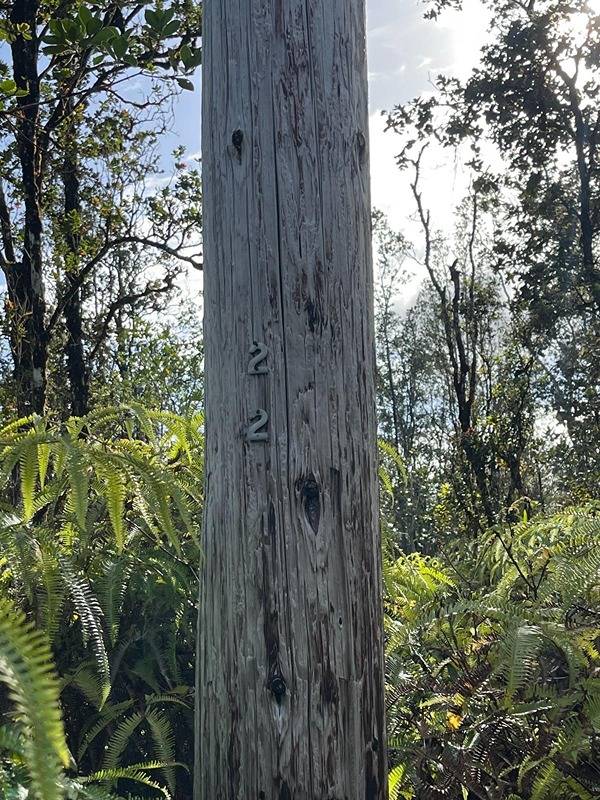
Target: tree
(290, 682)
(534, 95)
(533, 98)
(159, 363)
(65, 62)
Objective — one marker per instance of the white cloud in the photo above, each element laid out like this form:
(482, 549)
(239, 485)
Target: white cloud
(406, 53)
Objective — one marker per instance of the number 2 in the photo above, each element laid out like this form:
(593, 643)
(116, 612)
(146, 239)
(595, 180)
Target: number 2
(259, 351)
(258, 422)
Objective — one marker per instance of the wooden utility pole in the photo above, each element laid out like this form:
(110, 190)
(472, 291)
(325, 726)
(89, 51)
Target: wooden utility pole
(290, 677)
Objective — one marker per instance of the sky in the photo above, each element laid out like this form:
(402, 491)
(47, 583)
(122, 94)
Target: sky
(405, 52)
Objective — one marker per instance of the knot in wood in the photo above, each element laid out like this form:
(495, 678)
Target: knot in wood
(310, 496)
(277, 687)
(237, 138)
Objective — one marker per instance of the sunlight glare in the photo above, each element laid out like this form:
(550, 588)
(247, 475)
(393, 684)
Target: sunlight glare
(468, 31)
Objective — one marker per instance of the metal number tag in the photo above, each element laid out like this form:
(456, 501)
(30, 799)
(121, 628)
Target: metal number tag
(259, 351)
(258, 423)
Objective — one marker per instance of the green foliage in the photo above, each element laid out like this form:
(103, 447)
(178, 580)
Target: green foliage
(521, 120)
(98, 524)
(26, 668)
(492, 664)
(123, 38)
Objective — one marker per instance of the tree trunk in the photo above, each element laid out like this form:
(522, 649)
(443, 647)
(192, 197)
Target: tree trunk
(25, 282)
(76, 362)
(290, 678)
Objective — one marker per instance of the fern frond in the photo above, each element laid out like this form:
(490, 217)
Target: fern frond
(111, 587)
(547, 783)
(91, 684)
(135, 772)
(28, 467)
(164, 743)
(395, 781)
(78, 480)
(120, 739)
(53, 595)
(7, 431)
(26, 667)
(170, 698)
(90, 613)
(518, 657)
(389, 451)
(43, 457)
(13, 742)
(108, 715)
(114, 495)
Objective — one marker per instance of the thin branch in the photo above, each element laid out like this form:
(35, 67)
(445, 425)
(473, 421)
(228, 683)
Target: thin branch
(102, 253)
(127, 300)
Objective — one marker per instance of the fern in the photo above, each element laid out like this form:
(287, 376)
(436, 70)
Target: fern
(502, 673)
(115, 494)
(111, 587)
(519, 650)
(28, 462)
(97, 542)
(53, 594)
(108, 715)
(395, 781)
(164, 739)
(26, 668)
(548, 783)
(78, 480)
(90, 613)
(120, 739)
(91, 683)
(43, 458)
(135, 772)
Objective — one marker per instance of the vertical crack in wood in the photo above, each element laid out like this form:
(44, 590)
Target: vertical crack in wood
(361, 144)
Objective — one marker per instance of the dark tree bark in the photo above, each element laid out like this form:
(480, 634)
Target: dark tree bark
(77, 367)
(290, 678)
(24, 279)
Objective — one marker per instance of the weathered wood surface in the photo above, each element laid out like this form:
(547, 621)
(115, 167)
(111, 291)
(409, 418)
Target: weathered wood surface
(290, 679)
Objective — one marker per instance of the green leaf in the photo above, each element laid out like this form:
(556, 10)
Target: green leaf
(185, 84)
(171, 28)
(186, 54)
(54, 49)
(90, 23)
(153, 19)
(74, 30)
(119, 45)
(191, 57)
(85, 15)
(104, 36)
(56, 26)
(8, 86)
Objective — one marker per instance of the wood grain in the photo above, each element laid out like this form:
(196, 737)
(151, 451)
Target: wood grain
(290, 678)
